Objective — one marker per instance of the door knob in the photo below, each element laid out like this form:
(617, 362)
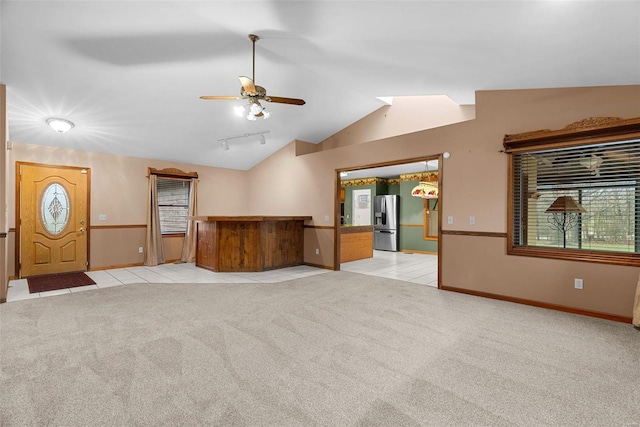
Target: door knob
(81, 230)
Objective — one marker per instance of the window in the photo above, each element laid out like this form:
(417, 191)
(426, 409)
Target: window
(430, 222)
(173, 205)
(575, 193)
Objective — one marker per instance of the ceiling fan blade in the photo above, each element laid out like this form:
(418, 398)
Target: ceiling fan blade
(247, 84)
(221, 98)
(281, 100)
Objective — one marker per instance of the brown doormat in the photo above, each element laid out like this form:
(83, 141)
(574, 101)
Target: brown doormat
(52, 282)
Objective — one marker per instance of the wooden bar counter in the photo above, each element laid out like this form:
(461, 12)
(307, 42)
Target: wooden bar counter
(356, 242)
(249, 243)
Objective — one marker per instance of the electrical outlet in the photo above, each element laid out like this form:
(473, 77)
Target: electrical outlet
(577, 283)
(326, 218)
(472, 220)
(450, 219)
(317, 251)
(140, 250)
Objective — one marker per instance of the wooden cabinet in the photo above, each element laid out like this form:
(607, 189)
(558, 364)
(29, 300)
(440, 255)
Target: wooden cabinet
(226, 244)
(356, 243)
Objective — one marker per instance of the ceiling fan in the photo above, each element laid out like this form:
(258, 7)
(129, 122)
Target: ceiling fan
(254, 93)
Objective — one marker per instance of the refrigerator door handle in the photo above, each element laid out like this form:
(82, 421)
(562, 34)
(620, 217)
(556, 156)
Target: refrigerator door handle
(385, 231)
(383, 210)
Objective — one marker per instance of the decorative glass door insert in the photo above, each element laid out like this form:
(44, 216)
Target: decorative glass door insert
(54, 209)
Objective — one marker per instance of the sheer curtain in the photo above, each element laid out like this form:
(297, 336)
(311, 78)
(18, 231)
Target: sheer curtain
(154, 252)
(189, 246)
(636, 307)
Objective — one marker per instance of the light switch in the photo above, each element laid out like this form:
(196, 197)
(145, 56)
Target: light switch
(450, 219)
(326, 218)
(472, 220)
(102, 217)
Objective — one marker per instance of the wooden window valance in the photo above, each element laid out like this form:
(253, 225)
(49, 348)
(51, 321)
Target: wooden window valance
(588, 131)
(172, 173)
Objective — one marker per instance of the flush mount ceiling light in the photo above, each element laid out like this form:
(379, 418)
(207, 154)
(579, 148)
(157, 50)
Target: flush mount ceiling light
(60, 125)
(225, 140)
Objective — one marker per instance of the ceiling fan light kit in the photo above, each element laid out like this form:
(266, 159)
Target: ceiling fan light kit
(239, 110)
(254, 94)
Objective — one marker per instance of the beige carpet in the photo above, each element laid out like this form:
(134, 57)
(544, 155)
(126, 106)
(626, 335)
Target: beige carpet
(337, 349)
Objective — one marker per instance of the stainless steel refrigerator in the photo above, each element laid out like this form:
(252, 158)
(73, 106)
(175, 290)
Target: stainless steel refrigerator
(386, 222)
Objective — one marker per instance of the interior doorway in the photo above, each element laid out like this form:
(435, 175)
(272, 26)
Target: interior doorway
(417, 259)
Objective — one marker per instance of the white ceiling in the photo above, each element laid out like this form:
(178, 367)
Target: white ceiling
(129, 73)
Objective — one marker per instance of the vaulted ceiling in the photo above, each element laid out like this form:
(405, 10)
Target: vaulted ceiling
(129, 74)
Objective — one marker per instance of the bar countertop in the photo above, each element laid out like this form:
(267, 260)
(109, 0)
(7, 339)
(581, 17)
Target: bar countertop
(348, 229)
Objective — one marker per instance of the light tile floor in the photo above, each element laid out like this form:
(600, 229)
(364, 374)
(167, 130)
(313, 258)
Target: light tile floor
(416, 268)
(409, 267)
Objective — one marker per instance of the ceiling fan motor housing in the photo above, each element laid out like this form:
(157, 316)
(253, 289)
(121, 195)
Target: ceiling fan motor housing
(259, 93)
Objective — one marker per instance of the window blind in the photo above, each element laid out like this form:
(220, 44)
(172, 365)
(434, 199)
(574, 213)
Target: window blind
(173, 205)
(602, 182)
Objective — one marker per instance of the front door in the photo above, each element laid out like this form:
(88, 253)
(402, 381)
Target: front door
(53, 219)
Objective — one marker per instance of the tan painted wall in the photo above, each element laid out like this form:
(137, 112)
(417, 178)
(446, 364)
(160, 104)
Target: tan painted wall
(111, 174)
(481, 264)
(408, 114)
(119, 190)
(474, 182)
(116, 247)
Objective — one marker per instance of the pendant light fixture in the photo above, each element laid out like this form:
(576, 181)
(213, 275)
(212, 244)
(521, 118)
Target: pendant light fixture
(426, 189)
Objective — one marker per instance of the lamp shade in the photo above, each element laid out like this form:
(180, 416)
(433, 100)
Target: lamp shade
(255, 108)
(426, 190)
(565, 204)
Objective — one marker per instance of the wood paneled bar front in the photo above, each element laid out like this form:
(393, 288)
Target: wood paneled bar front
(356, 242)
(249, 243)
